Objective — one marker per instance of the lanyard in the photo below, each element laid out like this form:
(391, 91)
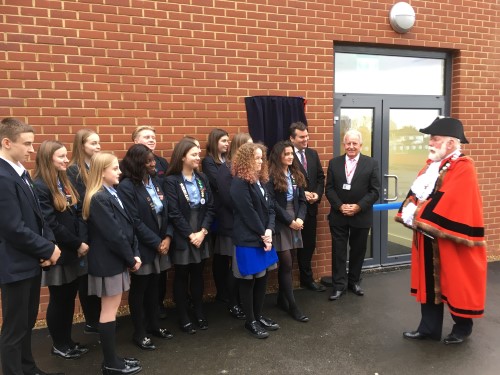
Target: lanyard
(201, 188)
(348, 173)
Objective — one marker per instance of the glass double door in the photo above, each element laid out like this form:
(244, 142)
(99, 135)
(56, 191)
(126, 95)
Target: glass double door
(390, 127)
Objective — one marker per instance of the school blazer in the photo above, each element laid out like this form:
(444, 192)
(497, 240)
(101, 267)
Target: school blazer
(315, 178)
(283, 218)
(179, 210)
(25, 237)
(253, 213)
(73, 173)
(140, 207)
(224, 210)
(112, 240)
(365, 188)
(65, 225)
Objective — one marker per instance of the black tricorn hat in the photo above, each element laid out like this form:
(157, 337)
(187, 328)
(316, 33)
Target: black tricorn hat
(446, 126)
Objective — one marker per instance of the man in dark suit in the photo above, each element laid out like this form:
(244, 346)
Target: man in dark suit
(352, 187)
(313, 172)
(25, 247)
(146, 135)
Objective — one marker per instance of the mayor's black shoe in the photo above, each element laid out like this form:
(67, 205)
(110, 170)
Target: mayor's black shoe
(453, 338)
(356, 289)
(415, 335)
(336, 294)
(133, 362)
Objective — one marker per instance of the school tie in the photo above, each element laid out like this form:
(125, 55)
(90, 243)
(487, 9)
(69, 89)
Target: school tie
(27, 179)
(303, 159)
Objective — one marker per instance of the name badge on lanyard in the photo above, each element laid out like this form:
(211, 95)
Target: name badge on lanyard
(346, 186)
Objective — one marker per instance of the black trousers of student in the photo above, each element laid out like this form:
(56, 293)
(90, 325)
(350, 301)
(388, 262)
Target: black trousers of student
(20, 302)
(357, 239)
(162, 287)
(91, 305)
(431, 323)
(143, 303)
(60, 314)
(189, 277)
(305, 254)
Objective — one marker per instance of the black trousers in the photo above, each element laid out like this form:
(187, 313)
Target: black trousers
(431, 323)
(20, 302)
(305, 254)
(143, 304)
(357, 239)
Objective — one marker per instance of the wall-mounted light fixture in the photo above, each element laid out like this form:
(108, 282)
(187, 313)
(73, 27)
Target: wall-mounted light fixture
(402, 17)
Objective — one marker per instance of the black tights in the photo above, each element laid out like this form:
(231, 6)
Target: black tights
(252, 294)
(143, 303)
(285, 277)
(60, 314)
(225, 282)
(91, 305)
(189, 275)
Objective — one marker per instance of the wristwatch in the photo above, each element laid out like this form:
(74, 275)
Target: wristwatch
(204, 231)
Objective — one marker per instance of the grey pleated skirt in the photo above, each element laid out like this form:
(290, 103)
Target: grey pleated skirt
(286, 238)
(192, 254)
(60, 274)
(224, 245)
(109, 286)
(160, 263)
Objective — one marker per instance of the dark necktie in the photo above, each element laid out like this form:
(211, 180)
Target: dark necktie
(303, 159)
(26, 178)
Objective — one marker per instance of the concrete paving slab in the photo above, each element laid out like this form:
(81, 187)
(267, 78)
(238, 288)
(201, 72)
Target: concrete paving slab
(354, 335)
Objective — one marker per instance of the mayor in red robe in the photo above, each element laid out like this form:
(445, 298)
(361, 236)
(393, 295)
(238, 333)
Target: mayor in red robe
(448, 261)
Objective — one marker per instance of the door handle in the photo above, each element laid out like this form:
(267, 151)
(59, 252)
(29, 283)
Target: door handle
(395, 198)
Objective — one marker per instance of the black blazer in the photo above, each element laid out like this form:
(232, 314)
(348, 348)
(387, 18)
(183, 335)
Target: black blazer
(73, 173)
(25, 237)
(365, 187)
(65, 225)
(179, 210)
(161, 167)
(139, 205)
(253, 213)
(283, 218)
(224, 210)
(112, 241)
(315, 178)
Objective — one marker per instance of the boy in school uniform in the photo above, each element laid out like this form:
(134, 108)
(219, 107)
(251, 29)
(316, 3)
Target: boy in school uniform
(25, 248)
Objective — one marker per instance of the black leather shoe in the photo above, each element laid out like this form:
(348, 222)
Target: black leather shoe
(80, 348)
(128, 370)
(268, 324)
(315, 287)
(237, 312)
(145, 343)
(336, 295)
(256, 330)
(202, 323)
(162, 333)
(299, 316)
(132, 362)
(415, 335)
(356, 289)
(90, 330)
(188, 328)
(66, 354)
(453, 338)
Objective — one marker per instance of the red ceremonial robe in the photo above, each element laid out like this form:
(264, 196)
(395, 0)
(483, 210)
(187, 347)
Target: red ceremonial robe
(453, 216)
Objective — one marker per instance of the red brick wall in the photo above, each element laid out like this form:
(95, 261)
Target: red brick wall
(185, 67)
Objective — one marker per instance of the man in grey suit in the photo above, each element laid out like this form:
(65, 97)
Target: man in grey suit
(310, 166)
(352, 187)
